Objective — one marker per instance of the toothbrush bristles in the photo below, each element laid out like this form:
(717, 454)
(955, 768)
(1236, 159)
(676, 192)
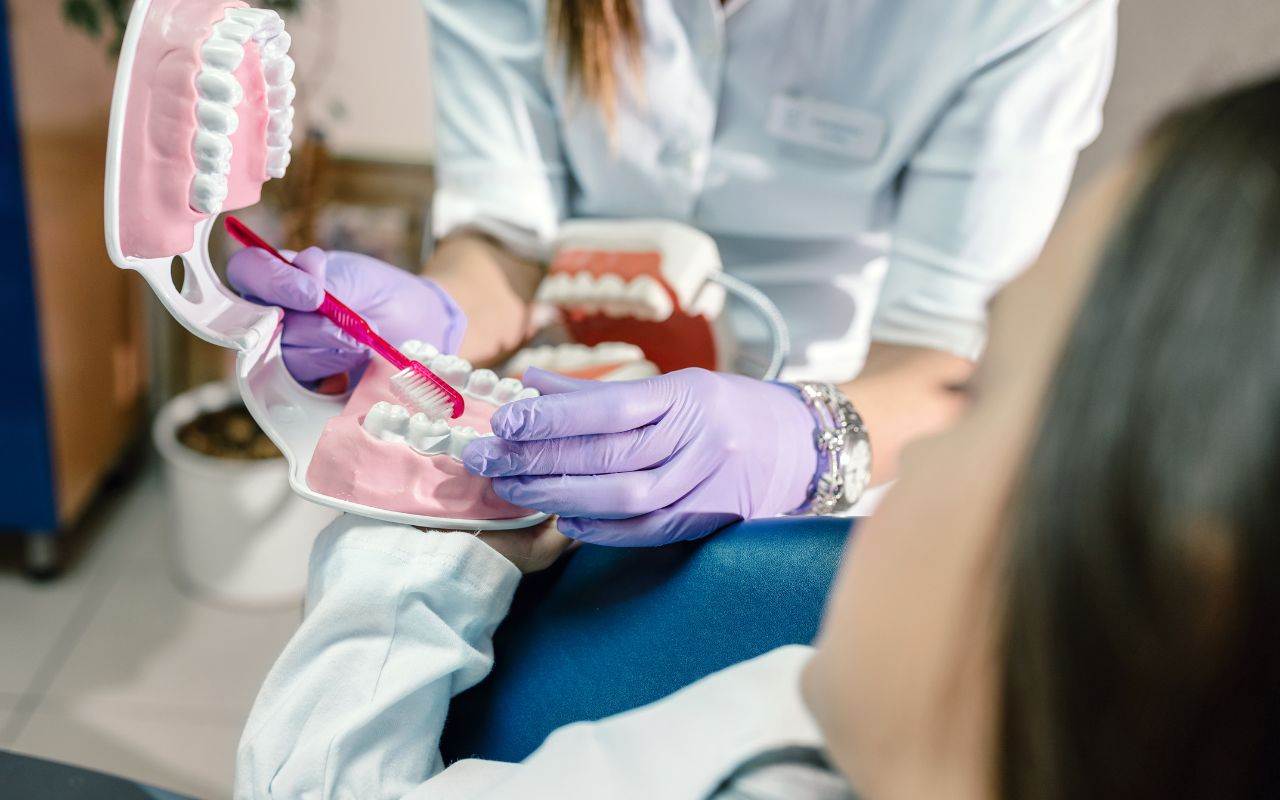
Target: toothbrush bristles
(415, 391)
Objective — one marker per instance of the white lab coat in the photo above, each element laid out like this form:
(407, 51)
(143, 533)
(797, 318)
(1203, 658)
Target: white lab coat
(880, 168)
(399, 621)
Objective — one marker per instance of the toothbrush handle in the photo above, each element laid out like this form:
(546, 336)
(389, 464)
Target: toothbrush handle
(332, 308)
(355, 325)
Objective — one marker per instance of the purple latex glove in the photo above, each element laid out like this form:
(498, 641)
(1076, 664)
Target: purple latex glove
(399, 305)
(649, 462)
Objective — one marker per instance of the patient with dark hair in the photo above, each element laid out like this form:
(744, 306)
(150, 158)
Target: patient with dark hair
(1075, 593)
(1072, 593)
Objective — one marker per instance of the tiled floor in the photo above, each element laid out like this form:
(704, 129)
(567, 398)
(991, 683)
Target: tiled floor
(113, 668)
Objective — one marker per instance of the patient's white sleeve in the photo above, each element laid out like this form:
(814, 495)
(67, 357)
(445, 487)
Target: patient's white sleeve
(499, 162)
(982, 192)
(398, 622)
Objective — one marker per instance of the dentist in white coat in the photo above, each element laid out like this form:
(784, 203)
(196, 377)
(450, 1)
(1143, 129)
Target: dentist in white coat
(880, 168)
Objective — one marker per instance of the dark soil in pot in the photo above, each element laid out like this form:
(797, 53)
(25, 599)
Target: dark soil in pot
(230, 433)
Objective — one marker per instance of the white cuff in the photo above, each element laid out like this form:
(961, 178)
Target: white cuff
(928, 305)
(520, 207)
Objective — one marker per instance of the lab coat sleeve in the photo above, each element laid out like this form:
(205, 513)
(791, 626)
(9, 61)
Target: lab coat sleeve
(398, 622)
(983, 190)
(499, 161)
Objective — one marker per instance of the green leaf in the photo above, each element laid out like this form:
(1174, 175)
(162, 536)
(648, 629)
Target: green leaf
(83, 14)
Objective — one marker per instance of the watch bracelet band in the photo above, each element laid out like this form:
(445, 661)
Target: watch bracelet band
(838, 425)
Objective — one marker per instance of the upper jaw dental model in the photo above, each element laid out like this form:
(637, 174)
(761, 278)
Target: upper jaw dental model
(209, 120)
(202, 118)
(642, 283)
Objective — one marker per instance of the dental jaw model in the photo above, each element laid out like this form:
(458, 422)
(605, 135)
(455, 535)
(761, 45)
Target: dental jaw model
(378, 453)
(201, 119)
(647, 285)
(208, 121)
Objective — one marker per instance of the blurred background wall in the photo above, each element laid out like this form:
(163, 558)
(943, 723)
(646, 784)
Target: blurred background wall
(1170, 51)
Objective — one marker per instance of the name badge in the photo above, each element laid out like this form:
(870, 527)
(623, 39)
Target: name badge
(827, 127)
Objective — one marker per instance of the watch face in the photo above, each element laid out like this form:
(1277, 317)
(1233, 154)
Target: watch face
(857, 469)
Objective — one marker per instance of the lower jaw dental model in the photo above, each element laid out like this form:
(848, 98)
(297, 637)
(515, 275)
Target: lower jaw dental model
(377, 453)
(201, 119)
(608, 361)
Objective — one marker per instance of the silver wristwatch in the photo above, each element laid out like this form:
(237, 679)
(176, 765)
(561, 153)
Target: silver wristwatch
(844, 451)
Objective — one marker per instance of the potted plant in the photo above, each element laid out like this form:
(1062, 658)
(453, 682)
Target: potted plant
(238, 533)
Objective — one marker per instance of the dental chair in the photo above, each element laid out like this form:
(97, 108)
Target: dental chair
(608, 630)
(27, 777)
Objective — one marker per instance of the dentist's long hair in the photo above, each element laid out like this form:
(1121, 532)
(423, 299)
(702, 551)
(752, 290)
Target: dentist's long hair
(596, 36)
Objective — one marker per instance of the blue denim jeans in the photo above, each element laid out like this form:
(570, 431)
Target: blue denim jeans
(609, 630)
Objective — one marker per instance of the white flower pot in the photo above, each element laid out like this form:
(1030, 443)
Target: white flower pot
(238, 533)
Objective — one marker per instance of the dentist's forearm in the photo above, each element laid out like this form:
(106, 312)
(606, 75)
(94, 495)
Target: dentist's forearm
(904, 394)
(492, 286)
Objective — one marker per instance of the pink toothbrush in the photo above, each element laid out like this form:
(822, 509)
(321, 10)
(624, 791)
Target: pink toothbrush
(414, 384)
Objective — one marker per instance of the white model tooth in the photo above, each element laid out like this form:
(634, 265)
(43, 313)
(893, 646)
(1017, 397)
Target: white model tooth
(413, 348)
(220, 87)
(253, 17)
(212, 152)
(635, 299)
(573, 356)
(236, 31)
(282, 133)
(613, 296)
(270, 28)
(653, 301)
(542, 357)
(208, 193)
(278, 163)
(422, 352)
(554, 289)
(428, 436)
(281, 121)
(397, 421)
(562, 289)
(276, 47)
(279, 140)
(454, 369)
(632, 371)
(222, 53)
(619, 351)
(459, 438)
(528, 394)
(506, 390)
(280, 71)
(387, 421)
(482, 382)
(217, 117)
(585, 294)
(282, 96)
(520, 361)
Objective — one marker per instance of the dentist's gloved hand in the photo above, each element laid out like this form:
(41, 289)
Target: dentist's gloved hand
(400, 306)
(649, 462)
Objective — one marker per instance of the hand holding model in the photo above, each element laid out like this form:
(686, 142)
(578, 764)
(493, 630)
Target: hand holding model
(642, 463)
(399, 305)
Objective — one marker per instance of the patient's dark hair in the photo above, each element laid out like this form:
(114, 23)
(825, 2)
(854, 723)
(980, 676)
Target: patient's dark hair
(1141, 634)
